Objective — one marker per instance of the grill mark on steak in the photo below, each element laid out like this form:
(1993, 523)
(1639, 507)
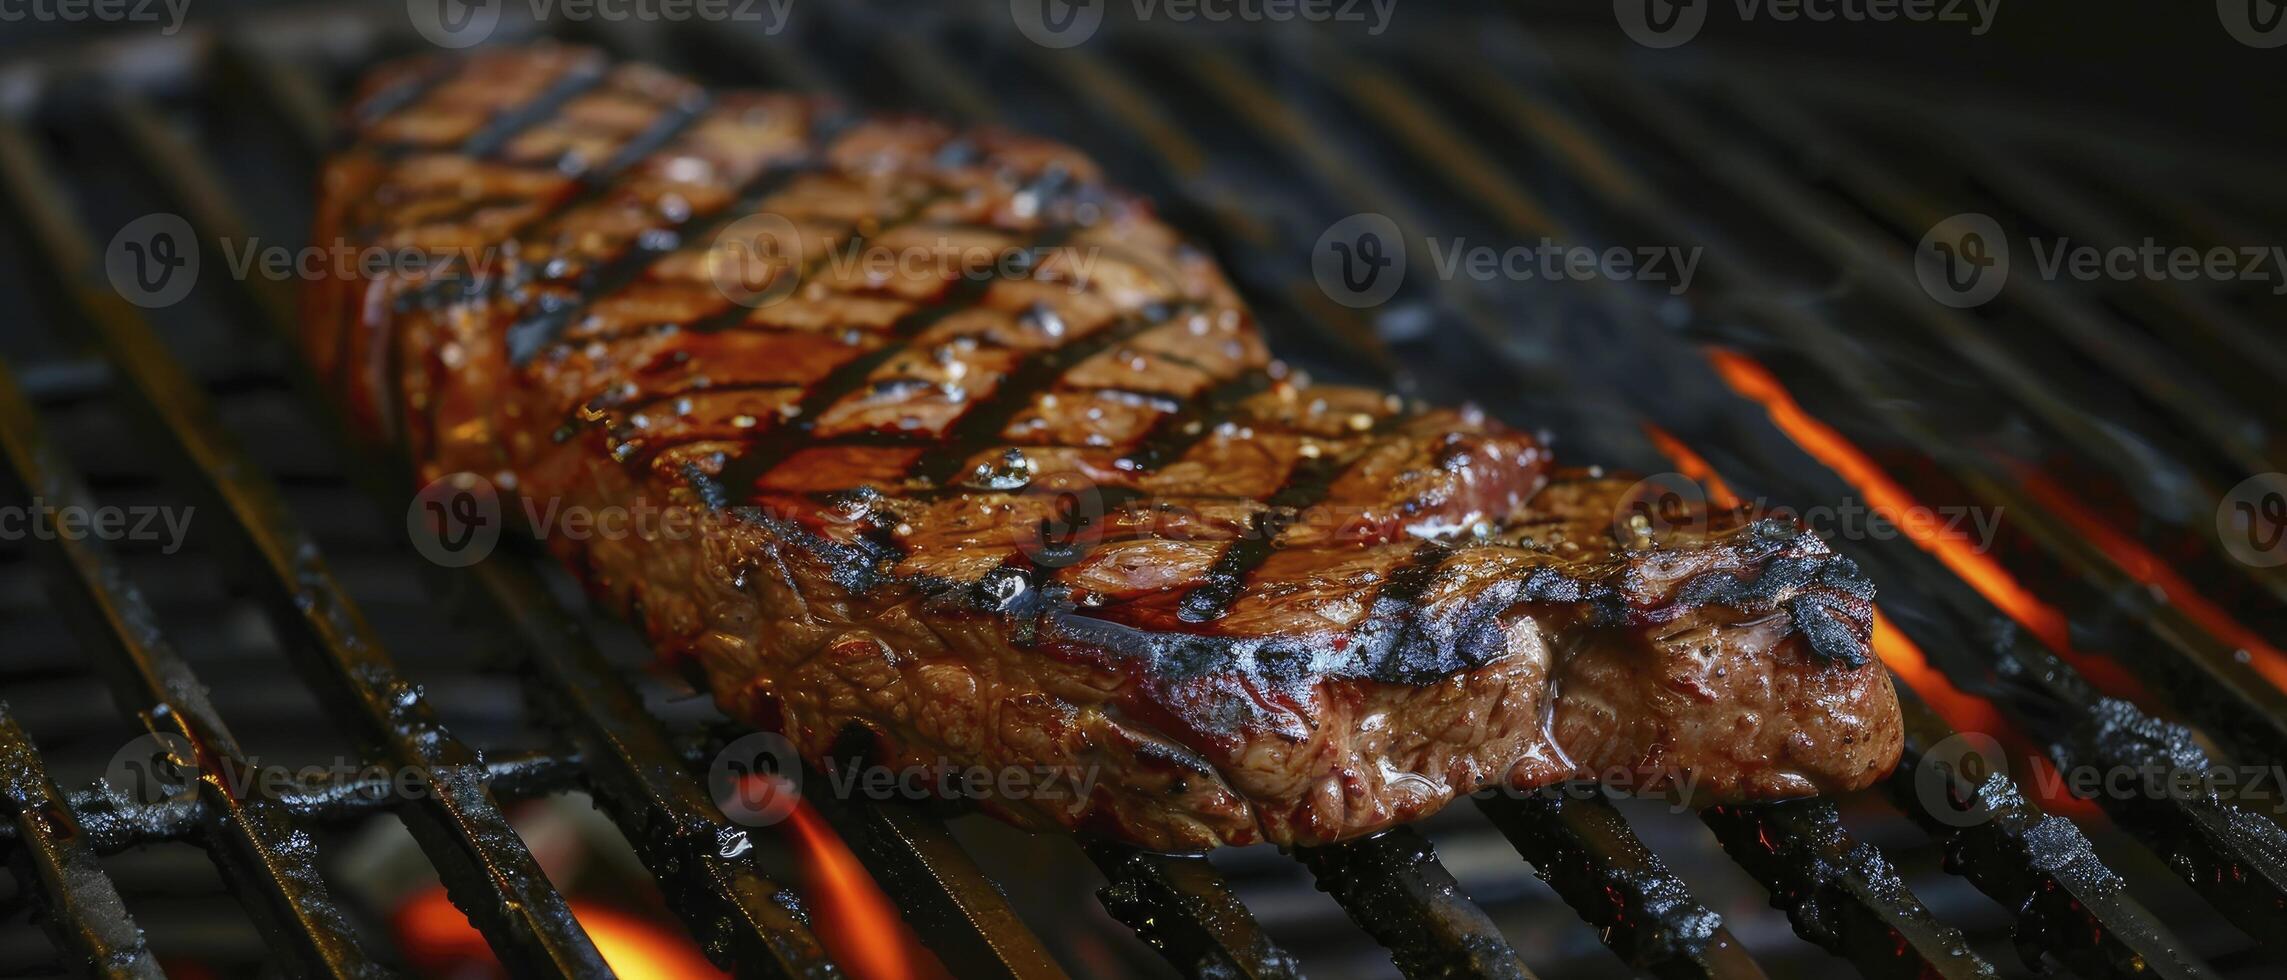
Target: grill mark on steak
(589, 185)
(1306, 484)
(1391, 605)
(495, 134)
(545, 328)
(981, 425)
(742, 474)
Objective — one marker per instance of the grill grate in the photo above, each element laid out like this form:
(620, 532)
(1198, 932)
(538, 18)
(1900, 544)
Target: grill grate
(1348, 119)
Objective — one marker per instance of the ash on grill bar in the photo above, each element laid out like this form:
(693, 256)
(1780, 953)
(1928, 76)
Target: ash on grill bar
(1958, 300)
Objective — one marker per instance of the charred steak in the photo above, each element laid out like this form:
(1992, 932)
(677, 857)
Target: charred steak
(984, 466)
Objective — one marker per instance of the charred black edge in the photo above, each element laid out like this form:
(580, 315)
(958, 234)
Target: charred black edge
(1395, 643)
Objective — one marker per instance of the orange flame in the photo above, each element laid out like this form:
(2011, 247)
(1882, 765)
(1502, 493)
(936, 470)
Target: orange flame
(1690, 464)
(439, 941)
(1890, 499)
(858, 924)
(1964, 711)
(2145, 567)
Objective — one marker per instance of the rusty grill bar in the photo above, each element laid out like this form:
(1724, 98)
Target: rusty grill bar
(1347, 120)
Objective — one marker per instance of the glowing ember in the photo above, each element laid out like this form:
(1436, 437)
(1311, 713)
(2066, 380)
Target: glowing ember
(439, 942)
(2142, 565)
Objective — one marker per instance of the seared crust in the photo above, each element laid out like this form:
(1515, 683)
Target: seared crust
(1032, 495)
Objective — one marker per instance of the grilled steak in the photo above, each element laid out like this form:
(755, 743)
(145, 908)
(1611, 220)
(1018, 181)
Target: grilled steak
(986, 468)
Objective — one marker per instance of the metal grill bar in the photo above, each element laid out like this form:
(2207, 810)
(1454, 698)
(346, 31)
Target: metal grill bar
(112, 822)
(1582, 847)
(85, 913)
(1394, 888)
(2032, 846)
(258, 848)
(2210, 682)
(1184, 908)
(1840, 893)
(1905, 921)
(742, 916)
(942, 891)
(488, 872)
(1870, 892)
(2204, 838)
(2152, 371)
(2042, 867)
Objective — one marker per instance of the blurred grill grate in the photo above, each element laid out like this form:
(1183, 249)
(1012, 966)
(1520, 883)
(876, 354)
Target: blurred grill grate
(1219, 142)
